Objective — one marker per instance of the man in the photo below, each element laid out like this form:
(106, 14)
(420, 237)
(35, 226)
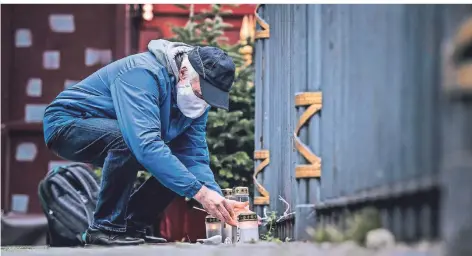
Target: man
(145, 111)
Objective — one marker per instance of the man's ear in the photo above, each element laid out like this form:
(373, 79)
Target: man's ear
(183, 73)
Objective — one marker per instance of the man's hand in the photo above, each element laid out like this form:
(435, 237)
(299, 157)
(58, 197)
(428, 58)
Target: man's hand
(216, 205)
(239, 207)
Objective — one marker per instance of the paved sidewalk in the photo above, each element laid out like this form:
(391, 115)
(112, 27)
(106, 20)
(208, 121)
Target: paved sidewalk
(259, 249)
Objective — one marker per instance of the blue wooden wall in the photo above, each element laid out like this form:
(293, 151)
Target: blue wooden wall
(379, 133)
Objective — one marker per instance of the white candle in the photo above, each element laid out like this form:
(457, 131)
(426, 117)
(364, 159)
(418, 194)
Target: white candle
(213, 226)
(226, 229)
(241, 194)
(248, 228)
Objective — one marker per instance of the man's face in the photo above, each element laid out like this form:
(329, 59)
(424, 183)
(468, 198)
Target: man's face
(195, 82)
(196, 88)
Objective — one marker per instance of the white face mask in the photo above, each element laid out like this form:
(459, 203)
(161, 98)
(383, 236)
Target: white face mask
(189, 104)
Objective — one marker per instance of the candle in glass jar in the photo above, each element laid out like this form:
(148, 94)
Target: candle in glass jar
(213, 226)
(248, 228)
(240, 194)
(234, 234)
(227, 192)
(226, 229)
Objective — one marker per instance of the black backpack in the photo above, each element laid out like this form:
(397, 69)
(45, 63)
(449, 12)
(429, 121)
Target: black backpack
(68, 196)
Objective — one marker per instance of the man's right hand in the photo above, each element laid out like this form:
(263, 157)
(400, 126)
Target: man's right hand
(216, 205)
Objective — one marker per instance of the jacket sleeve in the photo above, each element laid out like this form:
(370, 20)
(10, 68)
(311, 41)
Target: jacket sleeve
(192, 150)
(135, 97)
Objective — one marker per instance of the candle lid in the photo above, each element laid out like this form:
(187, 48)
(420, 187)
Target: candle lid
(241, 191)
(227, 192)
(251, 216)
(211, 219)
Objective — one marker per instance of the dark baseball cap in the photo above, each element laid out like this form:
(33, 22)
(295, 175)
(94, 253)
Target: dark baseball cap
(216, 70)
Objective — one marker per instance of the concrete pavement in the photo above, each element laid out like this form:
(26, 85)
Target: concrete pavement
(258, 249)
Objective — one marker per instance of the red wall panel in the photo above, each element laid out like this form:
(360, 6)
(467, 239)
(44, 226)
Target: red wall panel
(94, 27)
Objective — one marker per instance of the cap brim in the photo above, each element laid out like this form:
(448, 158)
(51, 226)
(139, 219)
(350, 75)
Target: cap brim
(213, 95)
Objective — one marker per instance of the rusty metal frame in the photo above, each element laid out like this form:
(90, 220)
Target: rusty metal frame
(314, 102)
(462, 42)
(263, 155)
(265, 32)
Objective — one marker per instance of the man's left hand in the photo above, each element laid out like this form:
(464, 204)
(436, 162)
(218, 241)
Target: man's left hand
(239, 208)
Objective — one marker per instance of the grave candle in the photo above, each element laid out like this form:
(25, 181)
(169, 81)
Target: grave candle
(248, 228)
(226, 229)
(213, 226)
(240, 194)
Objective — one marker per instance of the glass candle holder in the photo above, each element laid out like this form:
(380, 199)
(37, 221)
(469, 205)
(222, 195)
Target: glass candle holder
(213, 226)
(241, 194)
(234, 234)
(248, 228)
(226, 229)
(227, 192)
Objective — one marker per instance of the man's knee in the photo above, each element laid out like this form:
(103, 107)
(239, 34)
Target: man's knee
(88, 140)
(119, 144)
(118, 149)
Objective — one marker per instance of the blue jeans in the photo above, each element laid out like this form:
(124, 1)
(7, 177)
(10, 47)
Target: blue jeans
(98, 141)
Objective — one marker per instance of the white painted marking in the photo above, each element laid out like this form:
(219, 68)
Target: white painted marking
(23, 38)
(19, 203)
(34, 112)
(34, 87)
(95, 56)
(62, 23)
(51, 59)
(26, 152)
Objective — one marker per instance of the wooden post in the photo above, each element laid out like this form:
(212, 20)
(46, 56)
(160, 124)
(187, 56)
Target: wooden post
(305, 212)
(261, 153)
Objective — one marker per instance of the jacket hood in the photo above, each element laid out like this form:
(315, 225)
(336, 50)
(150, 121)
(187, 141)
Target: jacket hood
(169, 54)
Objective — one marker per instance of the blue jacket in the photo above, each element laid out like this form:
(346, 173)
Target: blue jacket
(138, 91)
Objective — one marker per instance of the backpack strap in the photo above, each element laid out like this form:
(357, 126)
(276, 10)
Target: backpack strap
(86, 178)
(66, 207)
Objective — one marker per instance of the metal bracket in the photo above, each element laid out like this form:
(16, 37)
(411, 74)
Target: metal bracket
(314, 101)
(462, 41)
(263, 155)
(265, 32)
(461, 68)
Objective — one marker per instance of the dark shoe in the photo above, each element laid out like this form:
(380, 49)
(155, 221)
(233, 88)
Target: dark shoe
(99, 237)
(148, 239)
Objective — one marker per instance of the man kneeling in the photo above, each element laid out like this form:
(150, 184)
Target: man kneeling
(145, 111)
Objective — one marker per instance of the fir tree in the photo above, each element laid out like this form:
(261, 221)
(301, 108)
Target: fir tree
(230, 135)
